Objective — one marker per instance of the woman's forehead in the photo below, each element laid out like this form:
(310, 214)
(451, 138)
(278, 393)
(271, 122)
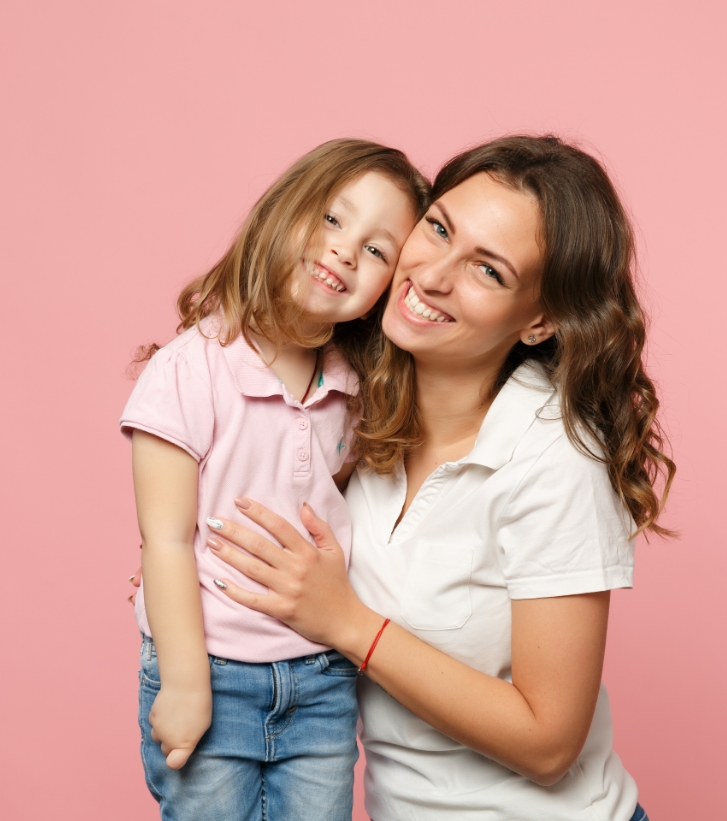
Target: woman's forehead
(486, 213)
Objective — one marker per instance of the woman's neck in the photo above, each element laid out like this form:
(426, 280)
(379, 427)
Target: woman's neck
(452, 404)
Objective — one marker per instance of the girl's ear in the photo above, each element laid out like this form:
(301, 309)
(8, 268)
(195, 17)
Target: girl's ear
(538, 331)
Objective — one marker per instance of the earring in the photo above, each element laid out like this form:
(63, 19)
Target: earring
(531, 339)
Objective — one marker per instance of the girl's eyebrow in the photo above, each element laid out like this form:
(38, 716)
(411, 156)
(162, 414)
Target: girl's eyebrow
(449, 225)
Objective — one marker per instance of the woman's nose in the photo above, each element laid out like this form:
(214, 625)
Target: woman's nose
(436, 275)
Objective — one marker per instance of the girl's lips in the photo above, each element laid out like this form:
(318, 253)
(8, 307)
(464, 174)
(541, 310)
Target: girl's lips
(326, 279)
(418, 312)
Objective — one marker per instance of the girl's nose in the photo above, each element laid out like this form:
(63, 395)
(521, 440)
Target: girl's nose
(345, 253)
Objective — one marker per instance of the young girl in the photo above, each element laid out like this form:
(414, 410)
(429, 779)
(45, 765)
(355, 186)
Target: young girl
(241, 717)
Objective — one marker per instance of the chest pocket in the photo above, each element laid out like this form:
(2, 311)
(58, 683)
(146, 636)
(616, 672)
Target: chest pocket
(437, 589)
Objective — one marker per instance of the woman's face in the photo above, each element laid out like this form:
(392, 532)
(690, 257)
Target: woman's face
(466, 288)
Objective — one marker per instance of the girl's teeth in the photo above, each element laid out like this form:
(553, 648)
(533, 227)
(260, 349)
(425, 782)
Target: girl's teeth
(337, 286)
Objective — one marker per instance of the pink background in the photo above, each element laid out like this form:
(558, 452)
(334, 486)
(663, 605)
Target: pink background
(134, 137)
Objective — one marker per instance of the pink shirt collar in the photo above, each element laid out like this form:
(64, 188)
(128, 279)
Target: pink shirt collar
(254, 378)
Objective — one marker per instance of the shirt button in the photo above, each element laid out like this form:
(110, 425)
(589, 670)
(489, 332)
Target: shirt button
(302, 424)
(302, 455)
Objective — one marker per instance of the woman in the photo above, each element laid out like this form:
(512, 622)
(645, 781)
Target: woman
(512, 449)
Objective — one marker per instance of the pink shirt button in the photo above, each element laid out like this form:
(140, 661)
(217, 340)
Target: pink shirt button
(302, 455)
(302, 424)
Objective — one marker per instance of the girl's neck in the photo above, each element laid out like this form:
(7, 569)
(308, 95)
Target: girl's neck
(294, 365)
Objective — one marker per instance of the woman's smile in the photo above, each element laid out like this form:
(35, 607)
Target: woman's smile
(417, 310)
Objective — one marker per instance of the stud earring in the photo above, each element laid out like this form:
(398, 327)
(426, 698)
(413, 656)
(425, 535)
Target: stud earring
(531, 339)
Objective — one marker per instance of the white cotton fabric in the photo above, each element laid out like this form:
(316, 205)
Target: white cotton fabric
(524, 515)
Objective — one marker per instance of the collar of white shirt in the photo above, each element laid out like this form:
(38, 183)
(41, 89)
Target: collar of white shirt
(519, 403)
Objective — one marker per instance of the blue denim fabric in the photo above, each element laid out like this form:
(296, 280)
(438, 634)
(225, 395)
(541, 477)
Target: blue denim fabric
(639, 814)
(282, 744)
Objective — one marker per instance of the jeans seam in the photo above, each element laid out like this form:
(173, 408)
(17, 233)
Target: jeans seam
(263, 796)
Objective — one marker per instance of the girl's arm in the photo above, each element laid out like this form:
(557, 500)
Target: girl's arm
(165, 484)
(536, 726)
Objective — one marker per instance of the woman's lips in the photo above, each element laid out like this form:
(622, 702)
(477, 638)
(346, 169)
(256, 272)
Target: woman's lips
(326, 278)
(417, 310)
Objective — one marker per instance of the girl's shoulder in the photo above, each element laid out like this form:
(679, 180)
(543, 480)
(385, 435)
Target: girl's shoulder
(195, 347)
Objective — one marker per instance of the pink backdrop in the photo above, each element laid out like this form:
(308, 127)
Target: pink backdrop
(136, 134)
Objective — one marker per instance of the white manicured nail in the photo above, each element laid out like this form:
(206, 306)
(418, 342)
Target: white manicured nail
(215, 524)
(220, 584)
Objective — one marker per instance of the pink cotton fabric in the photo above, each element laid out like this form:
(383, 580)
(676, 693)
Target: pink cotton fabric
(227, 409)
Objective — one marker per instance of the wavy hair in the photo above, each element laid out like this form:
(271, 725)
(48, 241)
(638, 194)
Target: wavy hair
(587, 290)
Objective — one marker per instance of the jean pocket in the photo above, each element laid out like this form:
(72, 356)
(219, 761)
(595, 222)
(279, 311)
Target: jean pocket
(437, 588)
(338, 665)
(149, 673)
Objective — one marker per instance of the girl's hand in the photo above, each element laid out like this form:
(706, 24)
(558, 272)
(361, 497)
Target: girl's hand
(179, 717)
(308, 585)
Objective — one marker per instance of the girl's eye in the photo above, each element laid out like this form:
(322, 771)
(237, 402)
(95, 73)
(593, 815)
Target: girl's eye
(376, 252)
(490, 272)
(332, 220)
(437, 227)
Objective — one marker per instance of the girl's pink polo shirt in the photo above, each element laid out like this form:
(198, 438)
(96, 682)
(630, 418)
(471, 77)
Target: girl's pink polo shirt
(227, 409)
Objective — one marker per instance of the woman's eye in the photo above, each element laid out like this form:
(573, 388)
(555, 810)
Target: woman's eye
(376, 252)
(332, 220)
(490, 272)
(438, 228)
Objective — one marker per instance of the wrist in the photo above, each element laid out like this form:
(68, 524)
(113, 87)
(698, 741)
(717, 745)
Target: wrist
(357, 635)
(190, 678)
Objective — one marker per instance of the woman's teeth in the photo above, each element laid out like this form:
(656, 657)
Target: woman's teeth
(425, 311)
(328, 279)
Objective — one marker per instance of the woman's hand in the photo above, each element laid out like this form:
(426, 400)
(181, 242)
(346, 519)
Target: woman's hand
(135, 580)
(308, 584)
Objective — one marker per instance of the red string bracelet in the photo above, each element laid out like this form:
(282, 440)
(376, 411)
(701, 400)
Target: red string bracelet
(373, 646)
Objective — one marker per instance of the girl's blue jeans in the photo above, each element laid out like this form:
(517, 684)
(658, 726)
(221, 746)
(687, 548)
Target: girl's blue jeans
(282, 744)
(639, 814)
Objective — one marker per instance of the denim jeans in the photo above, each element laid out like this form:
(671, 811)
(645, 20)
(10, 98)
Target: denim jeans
(282, 744)
(639, 814)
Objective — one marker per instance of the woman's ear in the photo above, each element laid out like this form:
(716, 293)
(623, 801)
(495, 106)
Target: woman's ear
(538, 331)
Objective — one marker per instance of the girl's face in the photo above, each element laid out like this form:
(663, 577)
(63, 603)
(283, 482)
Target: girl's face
(350, 262)
(467, 285)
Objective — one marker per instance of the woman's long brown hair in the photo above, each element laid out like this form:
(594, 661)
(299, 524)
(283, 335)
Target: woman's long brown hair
(587, 291)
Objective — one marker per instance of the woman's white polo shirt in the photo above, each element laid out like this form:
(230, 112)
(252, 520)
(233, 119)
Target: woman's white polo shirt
(524, 515)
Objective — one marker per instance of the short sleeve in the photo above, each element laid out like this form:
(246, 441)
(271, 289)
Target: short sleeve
(174, 401)
(564, 531)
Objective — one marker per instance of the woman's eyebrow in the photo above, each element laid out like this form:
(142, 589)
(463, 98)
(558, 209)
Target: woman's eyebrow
(449, 225)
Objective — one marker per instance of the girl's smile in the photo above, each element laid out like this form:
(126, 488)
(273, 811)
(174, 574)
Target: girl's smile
(326, 279)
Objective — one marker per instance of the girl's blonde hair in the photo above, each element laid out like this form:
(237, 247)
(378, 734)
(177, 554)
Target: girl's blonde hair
(249, 286)
(596, 356)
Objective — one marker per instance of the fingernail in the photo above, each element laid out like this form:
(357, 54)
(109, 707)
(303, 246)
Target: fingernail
(131, 599)
(305, 504)
(243, 503)
(220, 584)
(215, 524)
(131, 578)
(215, 544)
